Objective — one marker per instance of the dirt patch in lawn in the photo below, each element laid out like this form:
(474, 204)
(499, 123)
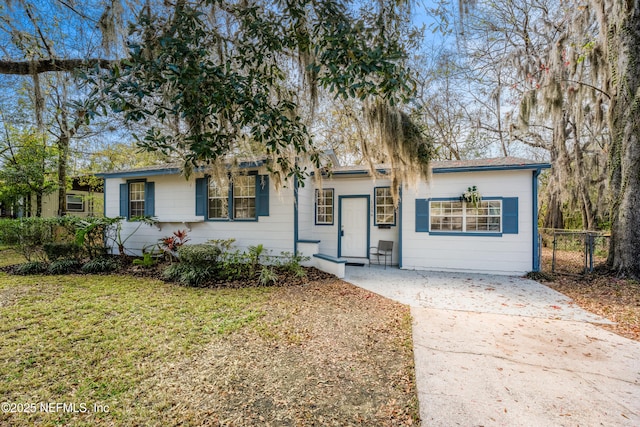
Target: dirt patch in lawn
(326, 353)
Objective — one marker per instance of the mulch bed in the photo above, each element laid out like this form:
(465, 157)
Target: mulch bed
(285, 277)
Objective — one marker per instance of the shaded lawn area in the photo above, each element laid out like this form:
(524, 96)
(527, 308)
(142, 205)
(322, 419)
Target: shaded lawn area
(326, 353)
(617, 299)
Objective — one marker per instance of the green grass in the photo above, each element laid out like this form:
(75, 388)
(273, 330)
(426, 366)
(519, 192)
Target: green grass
(8, 256)
(94, 339)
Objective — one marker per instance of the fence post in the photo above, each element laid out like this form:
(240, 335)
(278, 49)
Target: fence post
(553, 259)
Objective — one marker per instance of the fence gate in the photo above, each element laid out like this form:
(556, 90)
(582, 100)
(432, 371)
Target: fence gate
(578, 252)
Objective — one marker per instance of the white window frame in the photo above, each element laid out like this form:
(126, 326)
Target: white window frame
(244, 197)
(137, 189)
(454, 216)
(68, 203)
(220, 193)
(388, 208)
(324, 212)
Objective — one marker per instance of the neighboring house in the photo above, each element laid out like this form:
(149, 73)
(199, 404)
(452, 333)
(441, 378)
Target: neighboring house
(81, 200)
(340, 217)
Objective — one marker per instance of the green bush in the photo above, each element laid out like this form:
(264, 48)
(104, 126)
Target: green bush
(147, 260)
(31, 267)
(56, 250)
(100, 265)
(199, 254)
(234, 266)
(64, 266)
(268, 276)
(9, 231)
(292, 263)
(190, 275)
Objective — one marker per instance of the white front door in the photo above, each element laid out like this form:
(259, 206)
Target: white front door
(354, 218)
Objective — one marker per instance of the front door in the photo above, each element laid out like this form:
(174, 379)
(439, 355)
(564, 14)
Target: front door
(354, 220)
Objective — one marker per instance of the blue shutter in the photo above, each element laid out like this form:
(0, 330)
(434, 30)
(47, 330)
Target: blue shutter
(149, 198)
(422, 215)
(201, 196)
(510, 215)
(124, 200)
(262, 195)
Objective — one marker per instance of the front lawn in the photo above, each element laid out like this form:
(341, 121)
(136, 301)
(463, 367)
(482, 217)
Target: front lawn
(119, 350)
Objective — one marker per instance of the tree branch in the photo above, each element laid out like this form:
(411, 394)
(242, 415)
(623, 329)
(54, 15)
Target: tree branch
(24, 68)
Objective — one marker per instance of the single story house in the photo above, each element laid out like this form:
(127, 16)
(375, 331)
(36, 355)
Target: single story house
(343, 216)
(84, 199)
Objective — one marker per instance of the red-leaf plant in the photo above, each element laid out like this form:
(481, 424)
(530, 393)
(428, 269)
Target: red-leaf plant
(171, 244)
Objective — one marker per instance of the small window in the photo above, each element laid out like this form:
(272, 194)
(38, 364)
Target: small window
(244, 197)
(75, 203)
(385, 210)
(136, 199)
(324, 206)
(456, 216)
(218, 200)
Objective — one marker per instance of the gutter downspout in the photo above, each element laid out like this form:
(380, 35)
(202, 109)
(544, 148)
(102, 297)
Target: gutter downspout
(534, 217)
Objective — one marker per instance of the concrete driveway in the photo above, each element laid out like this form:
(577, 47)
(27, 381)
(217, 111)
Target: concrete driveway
(506, 351)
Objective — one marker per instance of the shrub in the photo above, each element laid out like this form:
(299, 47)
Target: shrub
(100, 265)
(170, 244)
(292, 263)
(9, 231)
(199, 254)
(190, 275)
(31, 267)
(234, 266)
(147, 260)
(55, 250)
(63, 266)
(268, 276)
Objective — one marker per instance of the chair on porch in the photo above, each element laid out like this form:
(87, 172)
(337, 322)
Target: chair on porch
(383, 250)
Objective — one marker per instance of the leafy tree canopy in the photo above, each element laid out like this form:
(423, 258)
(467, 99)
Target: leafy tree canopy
(211, 79)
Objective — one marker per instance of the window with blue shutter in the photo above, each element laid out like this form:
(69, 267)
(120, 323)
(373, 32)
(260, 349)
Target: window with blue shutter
(150, 198)
(137, 198)
(262, 194)
(248, 198)
(422, 215)
(201, 196)
(124, 200)
(510, 215)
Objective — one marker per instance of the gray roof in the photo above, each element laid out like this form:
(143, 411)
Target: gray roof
(441, 166)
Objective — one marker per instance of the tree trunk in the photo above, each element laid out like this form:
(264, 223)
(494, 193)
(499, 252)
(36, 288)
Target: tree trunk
(554, 218)
(39, 204)
(63, 155)
(623, 42)
(582, 183)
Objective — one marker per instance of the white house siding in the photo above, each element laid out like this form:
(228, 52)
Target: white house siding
(175, 201)
(507, 254)
(346, 186)
(305, 210)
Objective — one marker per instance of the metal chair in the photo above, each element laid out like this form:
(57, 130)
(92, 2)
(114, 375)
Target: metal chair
(384, 249)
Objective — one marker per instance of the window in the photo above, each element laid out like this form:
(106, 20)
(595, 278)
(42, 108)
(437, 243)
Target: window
(75, 203)
(324, 206)
(456, 216)
(486, 217)
(136, 199)
(218, 200)
(385, 211)
(244, 197)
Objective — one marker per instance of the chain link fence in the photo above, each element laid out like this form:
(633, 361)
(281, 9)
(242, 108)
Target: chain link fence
(573, 252)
